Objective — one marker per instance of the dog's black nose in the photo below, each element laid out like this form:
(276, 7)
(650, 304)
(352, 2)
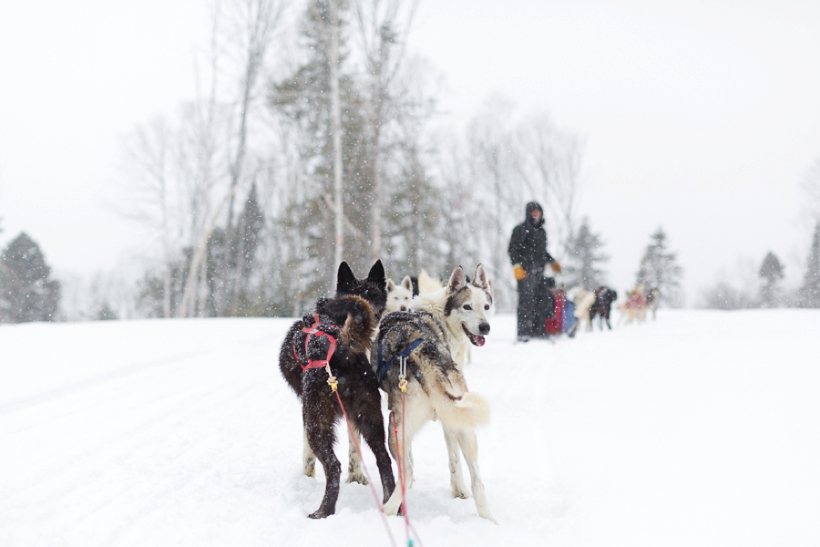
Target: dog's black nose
(484, 328)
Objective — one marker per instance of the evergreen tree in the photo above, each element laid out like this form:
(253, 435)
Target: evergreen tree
(230, 263)
(810, 291)
(659, 270)
(105, 313)
(218, 273)
(413, 218)
(251, 223)
(585, 259)
(151, 288)
(26, 292)
(771, 272)
(304, 99)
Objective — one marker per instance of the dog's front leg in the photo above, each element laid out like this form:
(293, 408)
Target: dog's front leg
(354, 467)
(456, 476)
(469, 446)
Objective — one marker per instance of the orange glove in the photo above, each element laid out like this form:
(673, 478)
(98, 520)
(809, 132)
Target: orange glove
(519, 272)
(556, 267)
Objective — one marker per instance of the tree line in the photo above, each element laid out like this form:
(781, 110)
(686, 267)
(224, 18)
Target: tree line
(764, 287)
(240, 189)
(760, 284)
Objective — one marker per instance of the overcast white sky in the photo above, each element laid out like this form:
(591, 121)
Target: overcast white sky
(700, 116)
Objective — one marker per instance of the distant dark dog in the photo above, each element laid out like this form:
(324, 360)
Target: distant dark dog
(348, 322)
(602, 307)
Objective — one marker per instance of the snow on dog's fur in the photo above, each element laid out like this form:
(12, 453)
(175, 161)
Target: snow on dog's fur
(352, 318)
(444, 321)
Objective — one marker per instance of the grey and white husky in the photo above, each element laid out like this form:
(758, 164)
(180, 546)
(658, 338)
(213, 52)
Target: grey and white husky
(431, 338)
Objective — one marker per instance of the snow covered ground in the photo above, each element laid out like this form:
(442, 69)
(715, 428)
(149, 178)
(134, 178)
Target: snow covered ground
(702, 428)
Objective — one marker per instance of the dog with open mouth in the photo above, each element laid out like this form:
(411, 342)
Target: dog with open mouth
(423, 347)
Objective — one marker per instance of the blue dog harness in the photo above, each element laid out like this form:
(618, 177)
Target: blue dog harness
(384, 366)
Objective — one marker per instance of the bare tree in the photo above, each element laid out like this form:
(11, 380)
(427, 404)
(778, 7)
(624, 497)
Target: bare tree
(551, 171)
(154, 190)
(336, 126)
(493, 162)
(327, 17)
(383, 27)
(252, 25)
(217, 175)
(510, 162)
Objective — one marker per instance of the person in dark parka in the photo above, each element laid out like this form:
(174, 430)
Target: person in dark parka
(529, 256)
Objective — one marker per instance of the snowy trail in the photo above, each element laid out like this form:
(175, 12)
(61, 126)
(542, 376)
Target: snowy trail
(700, 428)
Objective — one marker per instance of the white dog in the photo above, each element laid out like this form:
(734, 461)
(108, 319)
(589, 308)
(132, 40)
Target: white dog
(583, 301)
(399, 296)
(441, 324)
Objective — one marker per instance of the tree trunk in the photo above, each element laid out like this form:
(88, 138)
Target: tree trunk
(378, 199)
(336, 127)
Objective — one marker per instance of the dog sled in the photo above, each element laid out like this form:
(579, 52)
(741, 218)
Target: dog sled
(555, 310)
(563, 319)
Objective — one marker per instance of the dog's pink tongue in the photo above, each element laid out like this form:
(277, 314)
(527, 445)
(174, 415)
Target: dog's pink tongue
(480, 340)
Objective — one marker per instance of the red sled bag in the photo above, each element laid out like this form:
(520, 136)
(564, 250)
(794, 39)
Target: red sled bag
(555, 324)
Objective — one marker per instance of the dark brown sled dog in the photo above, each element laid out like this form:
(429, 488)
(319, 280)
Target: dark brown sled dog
(348, 322)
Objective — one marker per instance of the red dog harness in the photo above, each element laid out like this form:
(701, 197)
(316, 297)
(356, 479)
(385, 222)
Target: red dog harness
(314, 330)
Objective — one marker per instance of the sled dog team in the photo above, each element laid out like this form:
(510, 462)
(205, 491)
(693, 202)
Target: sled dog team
(338, 358)
(598, 303)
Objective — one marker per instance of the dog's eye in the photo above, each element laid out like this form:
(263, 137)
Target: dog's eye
(486, 306)
(468, 307)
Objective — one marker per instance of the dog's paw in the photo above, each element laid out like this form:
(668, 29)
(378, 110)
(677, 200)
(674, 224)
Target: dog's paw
(490, 518)
(459, 491)
(310, 469)
(320, 514)
(357, 477)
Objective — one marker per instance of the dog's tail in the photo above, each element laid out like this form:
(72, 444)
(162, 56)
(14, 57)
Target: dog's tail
(470, 411)
(359, 327)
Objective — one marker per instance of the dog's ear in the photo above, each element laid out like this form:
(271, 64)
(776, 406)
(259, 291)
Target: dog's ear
(480, 280)
(457, 279)
(376, 274)
(407, 283)
(345, 279)
(391, 285)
